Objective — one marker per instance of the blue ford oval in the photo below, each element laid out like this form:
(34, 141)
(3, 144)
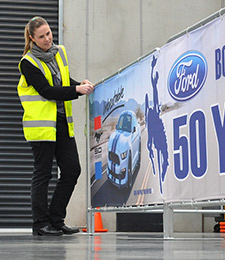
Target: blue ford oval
(187, 76)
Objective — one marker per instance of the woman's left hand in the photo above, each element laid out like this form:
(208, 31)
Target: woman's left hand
(86, 81)
(86, 87)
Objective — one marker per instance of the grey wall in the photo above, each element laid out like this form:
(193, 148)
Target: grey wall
(101, 36)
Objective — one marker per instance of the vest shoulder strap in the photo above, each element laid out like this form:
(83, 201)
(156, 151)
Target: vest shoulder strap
(62, 53)
(33, 60)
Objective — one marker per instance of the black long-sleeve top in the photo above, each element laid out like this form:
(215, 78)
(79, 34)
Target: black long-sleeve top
(35, 77)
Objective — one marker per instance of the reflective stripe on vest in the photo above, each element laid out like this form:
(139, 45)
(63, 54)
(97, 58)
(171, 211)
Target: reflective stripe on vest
(63, 57)
(69, 119)
(33, 98)
(39, 123)
(37, 61)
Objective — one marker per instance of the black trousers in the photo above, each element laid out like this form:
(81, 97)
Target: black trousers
(65, 152)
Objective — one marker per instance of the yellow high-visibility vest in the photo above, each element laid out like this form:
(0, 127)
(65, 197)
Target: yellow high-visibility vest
(39, 118)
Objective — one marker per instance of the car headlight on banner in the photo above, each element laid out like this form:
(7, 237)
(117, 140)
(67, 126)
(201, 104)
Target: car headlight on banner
(123, 155)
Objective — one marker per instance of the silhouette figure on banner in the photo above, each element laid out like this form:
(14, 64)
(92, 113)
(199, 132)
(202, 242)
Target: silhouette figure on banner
(156, 130)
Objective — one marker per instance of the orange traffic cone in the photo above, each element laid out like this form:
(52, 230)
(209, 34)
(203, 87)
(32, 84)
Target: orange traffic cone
(222, 227)
(98, 223)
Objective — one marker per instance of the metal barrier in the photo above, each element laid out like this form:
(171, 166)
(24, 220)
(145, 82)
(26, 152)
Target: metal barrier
(167, 208)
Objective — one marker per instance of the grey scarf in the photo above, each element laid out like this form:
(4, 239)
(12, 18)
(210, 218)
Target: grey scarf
(49, 58)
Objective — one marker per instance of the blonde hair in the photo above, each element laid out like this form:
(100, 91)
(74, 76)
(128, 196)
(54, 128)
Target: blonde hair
(30, 28)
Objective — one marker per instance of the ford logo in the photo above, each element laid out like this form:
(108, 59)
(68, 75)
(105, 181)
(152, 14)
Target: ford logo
(187, 76)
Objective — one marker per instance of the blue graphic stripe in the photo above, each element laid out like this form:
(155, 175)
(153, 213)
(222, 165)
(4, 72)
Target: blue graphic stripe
(114, 144)
(98, 170)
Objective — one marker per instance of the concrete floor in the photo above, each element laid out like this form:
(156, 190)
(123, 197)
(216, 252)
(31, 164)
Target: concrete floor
(101, 246)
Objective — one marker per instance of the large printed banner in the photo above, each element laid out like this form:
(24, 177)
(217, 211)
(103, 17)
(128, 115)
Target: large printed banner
(157, 129)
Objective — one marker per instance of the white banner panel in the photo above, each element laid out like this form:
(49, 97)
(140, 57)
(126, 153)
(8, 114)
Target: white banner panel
(157, 128)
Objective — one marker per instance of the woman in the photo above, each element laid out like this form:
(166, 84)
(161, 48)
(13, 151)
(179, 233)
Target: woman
(46, 90)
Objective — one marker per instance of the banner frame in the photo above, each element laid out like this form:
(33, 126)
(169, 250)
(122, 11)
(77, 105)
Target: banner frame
(166, 208)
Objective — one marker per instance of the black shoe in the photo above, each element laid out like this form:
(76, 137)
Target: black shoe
(47, 231)
(69, 230)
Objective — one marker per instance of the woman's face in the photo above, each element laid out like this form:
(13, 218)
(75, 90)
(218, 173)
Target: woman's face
(43, 37)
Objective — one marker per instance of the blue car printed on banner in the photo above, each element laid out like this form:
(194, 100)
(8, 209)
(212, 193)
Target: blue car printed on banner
(124, 150)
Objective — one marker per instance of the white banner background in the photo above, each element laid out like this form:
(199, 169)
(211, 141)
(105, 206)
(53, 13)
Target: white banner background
(201, 155)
